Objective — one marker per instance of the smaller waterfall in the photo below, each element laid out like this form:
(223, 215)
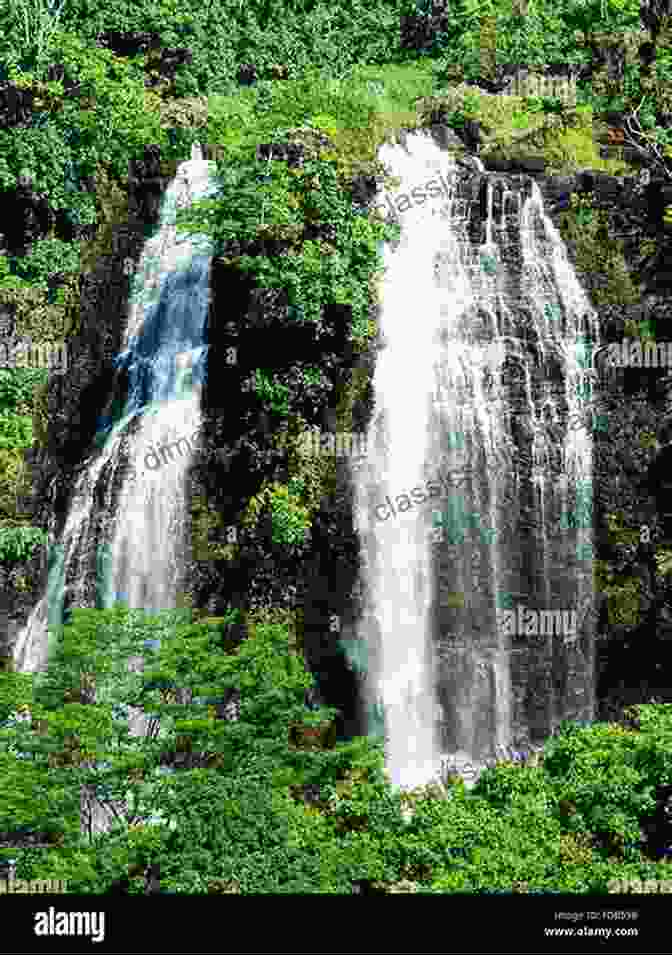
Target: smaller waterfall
(130, 530)
(125, 524)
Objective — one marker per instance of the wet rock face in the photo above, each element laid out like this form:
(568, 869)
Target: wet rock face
(652, 13)
(75, 400)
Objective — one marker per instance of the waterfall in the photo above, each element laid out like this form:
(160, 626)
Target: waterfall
(124, 527)
(473, 505)
(478, 451)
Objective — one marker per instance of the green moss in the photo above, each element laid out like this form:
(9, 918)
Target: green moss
(290, 518)
(11, 479)
(623, 594)
(566, 150)
(203, 521)
(112, 205)
(598, 258)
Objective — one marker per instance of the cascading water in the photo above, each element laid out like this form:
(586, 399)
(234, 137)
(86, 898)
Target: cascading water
(479, 424)
(125, 524)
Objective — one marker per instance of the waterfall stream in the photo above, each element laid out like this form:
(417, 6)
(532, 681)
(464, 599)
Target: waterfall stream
(473, 505)
(124, 528)
(478, 446)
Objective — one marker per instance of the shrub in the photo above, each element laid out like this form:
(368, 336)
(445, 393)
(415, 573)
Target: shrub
(605, 779)
(16, 431)
(17, 388)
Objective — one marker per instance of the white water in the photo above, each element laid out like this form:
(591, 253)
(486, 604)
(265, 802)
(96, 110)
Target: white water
(138, 531)
(448, 324)
(398, 550)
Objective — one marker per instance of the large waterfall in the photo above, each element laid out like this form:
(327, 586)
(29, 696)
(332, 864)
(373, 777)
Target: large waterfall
(124, 528)
(474, 506)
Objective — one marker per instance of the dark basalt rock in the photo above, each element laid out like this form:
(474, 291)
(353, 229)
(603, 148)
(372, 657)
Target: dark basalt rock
(364, 189)
(165, 61)
(147, 184)
(57, 72)
(247, 74)
(419, 31)
(27, 217)
(128, 43)
(16, 106)
(167, 64)
(530, 164)
(470, 134)
(292, 153)
(445, 137)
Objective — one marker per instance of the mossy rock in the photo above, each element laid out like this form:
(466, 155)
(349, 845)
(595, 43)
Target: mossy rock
(220, 887)
(403, 886)
(186, 113)
(41, 415)
(598, 258)
(112, 204)
(12, 479)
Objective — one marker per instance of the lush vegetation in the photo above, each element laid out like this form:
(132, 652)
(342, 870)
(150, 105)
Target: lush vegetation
(233, 818)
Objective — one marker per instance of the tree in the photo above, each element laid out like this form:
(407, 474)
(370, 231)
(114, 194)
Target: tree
(76, 748)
